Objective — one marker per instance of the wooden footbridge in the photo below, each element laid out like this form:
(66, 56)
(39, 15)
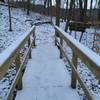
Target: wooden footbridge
(46, 78)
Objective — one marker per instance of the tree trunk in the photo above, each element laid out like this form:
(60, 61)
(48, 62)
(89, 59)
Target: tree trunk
(99, 10)
(28, 7)
(58, 2)
(66, 11)
(2, 0)
(90, 13)
(81, 10)
(45, 2)
(85, 10)
(10, 22)
(69, 15)
(50, 3)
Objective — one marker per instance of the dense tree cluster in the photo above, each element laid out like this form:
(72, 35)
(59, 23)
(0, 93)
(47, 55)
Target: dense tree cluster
(85, 9)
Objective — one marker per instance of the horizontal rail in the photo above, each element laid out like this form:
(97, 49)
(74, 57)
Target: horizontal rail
(76, 73)
(87, 55)
(8, 55)
(12, 54)
(91, 59)
(18, 75)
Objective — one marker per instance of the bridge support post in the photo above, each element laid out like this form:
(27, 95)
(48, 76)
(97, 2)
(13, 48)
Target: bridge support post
(74, 77)
(55, 38)
(29, 43)
(34, 37)
(61, 53)
(18, 63)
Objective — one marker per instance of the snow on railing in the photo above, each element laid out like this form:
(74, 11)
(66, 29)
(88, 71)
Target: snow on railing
(11, 54)
(90, 58)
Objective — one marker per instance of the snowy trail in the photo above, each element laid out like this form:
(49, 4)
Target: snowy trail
(46, 77)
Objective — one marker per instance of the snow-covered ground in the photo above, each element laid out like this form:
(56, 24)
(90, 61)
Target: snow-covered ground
(44, 34)
(20, 24)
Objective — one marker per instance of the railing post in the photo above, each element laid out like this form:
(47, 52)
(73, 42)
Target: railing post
(74, 77)
(34, 37)
(18, 63)
(55, 38)
(29, 43)
(61, 42)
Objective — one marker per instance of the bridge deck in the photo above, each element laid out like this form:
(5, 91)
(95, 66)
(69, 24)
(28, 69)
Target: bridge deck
(46, 77)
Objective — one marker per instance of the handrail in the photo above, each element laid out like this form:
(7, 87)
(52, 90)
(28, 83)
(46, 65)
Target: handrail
(11, 54)
(90, 58)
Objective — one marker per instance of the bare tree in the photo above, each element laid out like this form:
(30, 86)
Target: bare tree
(81, 10)
(28, 7)
(58, 3)
(47, 4)
(69, 14)
(85, 9)
(2, 0)
(66, 10)
(90, 8)
(10, 22)
(99, 10)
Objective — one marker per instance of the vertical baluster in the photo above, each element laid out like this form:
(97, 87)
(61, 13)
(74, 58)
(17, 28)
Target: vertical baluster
(61, 42)
(29, 43)
(18, 63)
(55, 38)
(74, 77)
(34, 37)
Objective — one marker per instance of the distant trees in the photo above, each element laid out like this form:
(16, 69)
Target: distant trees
(2, 0)
(69, 14)
(82, 11)
(72, 7)
(48, 4)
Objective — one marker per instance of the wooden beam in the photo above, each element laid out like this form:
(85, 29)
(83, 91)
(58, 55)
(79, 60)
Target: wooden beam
(18, 75)
(73, 75)
(84, 87)
(18, 63)
(4, 65)
(92, 64)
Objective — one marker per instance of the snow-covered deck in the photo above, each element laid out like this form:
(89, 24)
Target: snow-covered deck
(46, 77)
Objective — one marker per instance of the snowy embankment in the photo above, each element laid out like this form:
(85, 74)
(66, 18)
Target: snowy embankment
(18, 26)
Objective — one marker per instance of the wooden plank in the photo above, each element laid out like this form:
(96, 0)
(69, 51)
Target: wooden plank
(73, 75)
(18, 63)
(17, 77)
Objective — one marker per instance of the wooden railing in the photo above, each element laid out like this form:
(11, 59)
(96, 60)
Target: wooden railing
(12, 55)
(91, 59)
